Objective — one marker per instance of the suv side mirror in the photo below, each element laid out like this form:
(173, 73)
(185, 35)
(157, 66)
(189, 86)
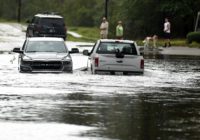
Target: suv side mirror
(17, 50)
(86, 52)
(74, 50)
(28, 21)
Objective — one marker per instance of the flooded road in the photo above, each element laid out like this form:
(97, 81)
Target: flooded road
(164, 103)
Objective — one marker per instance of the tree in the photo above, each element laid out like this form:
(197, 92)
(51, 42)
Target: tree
(140, 17)
(19, 10)
(146, 17)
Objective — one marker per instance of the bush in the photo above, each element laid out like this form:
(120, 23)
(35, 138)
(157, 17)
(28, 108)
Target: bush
(193, 37)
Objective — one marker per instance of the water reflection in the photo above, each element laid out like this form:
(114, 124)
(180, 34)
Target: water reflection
(42, 131)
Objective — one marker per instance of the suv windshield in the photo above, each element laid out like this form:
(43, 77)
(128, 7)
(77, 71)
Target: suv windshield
(52, 22)
(46, 46)
(112, 48)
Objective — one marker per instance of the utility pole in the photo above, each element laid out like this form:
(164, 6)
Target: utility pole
(106, 8)
(197, 22)
(19, 3)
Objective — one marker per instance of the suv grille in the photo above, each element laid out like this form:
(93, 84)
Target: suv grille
(43, 65)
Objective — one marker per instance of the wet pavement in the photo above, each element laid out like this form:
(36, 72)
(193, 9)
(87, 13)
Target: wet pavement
(161, 104)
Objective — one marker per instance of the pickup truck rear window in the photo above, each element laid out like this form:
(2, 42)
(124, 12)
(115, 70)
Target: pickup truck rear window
(112, 48)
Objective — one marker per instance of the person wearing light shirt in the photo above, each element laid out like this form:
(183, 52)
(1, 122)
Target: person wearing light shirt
(104, 29)
(167, 33)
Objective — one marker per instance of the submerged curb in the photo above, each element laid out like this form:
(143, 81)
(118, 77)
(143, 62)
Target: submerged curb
(181, 51)
(172, 51)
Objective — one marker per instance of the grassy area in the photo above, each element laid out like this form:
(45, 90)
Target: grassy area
(194, 44)
(174, 42)
(92, 34)
(88, 34)
(9, 21)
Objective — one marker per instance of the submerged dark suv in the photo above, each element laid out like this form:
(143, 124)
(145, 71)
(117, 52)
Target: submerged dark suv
(47, 25)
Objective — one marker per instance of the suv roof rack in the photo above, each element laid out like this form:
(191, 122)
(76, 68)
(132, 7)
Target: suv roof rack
(50, 13)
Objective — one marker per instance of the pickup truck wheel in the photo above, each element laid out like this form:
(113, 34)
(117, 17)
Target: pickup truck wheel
(112, 73)
(125, 73)
(92, 71)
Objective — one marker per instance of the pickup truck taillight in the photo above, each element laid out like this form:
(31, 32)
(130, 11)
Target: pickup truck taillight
(142, 63)
(96, 61)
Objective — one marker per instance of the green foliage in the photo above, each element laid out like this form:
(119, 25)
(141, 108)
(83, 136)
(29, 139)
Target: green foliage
(194, 45)
(193, 37)
(92, 34)
(8, 9)
(146, 17)
(140, 18)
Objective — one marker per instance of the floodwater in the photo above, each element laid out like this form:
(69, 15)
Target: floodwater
(162, 104)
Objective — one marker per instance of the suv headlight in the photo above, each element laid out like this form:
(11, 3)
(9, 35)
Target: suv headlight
(66, 58)
(27, 58)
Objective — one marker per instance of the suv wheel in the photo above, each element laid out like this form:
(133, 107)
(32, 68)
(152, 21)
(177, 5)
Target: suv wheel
(20, 70)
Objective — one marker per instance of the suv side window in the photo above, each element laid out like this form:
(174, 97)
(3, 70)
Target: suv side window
(35, 20)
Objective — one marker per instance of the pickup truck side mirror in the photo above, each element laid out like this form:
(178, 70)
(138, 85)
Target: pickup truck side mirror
(86, 52)
(28, 21)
